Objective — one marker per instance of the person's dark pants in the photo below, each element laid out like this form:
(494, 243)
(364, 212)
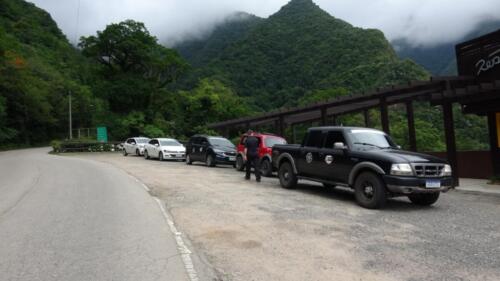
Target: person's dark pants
(253, 160)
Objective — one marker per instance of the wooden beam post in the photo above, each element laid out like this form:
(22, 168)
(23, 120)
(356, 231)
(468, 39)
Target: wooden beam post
(494, 143)
(384, 115)
(282, 126)
(225, 132)
(366, 115)
(451, 146)
(294, 133)
(412, 135)
(324, 122)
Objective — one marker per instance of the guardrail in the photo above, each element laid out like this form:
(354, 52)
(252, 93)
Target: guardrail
(77, 146)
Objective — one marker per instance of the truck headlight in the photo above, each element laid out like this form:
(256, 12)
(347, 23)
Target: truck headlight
(447, 171)
(401, 170)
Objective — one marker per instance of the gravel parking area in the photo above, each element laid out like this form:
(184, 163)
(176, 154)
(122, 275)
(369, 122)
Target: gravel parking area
(251, 231)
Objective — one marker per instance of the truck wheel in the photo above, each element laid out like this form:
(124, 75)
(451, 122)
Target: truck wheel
(370, 191)
(146, 155)
(288, 179)
(266, 169)
(210, 161)
(160, 157)
(125, 152)
(426, 199)
(188, 160)
(240, 164)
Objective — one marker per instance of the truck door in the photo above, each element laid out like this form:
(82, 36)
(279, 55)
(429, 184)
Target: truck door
(309, 158)
(335, 163)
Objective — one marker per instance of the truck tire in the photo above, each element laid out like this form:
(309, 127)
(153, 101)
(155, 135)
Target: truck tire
(210, 161)
(426, 199)
(188, 160)
(266, 168)
(240, 164)
(370, 191)
(288, 179)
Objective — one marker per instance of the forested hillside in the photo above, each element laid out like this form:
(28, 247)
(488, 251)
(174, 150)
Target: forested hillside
(302, 49)
(200, 51)
(122, 78)
(302, 55)
(38, 68)
(117, 79)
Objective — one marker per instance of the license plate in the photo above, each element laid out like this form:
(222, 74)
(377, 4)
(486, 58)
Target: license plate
(433, 184)
(232, 158)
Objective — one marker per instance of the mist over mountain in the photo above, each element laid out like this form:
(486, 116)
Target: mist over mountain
(440, 59)
(421, 22)
(199, 51)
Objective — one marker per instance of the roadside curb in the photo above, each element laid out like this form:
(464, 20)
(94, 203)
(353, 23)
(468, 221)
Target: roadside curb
(493, 191)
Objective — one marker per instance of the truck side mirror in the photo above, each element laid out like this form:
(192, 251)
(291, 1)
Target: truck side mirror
(339, 146)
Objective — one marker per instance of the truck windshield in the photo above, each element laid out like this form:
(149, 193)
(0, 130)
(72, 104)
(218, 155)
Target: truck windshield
(220, 142)
(371, 138)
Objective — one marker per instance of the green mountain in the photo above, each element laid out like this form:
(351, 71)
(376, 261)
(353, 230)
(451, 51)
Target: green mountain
(199, 51)
(302, 49)
(38, 67)
(440, 59)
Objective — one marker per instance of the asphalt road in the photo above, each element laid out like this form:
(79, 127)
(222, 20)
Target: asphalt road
(251, 231)
(70, 219)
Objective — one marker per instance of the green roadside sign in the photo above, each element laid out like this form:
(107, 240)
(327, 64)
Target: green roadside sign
(102, 134)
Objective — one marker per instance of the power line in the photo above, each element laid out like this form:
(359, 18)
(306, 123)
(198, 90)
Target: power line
(77, 23)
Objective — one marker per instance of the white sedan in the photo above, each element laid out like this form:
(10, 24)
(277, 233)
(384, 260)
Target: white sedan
(165, 149)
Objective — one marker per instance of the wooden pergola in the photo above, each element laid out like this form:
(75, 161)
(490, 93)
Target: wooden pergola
(475, 94)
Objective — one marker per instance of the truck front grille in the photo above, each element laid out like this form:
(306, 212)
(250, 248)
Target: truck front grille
(428, 170)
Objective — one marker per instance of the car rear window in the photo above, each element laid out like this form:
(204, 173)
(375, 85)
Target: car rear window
(272, 141)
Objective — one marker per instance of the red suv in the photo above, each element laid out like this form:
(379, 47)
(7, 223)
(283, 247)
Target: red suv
(267, 141)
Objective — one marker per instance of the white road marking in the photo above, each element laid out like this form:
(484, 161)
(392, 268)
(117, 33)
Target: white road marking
(181, 246)
(140, 182)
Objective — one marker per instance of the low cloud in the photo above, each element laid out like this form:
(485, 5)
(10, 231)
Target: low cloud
(421, 22)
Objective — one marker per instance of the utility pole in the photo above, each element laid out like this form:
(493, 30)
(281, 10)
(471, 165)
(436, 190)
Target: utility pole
(70, 118)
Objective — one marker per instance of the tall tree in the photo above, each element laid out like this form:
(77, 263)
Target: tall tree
(134, 66)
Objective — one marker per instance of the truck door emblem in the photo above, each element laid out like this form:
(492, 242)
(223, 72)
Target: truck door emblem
(309, 158)
(329, 159)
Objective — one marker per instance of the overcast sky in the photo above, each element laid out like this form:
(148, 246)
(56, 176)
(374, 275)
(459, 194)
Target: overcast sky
(423, 22)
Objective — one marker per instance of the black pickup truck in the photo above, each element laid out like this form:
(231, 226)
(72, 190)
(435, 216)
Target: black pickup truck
(365, 160)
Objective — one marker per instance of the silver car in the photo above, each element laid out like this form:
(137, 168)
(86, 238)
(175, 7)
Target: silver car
(135, 146)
